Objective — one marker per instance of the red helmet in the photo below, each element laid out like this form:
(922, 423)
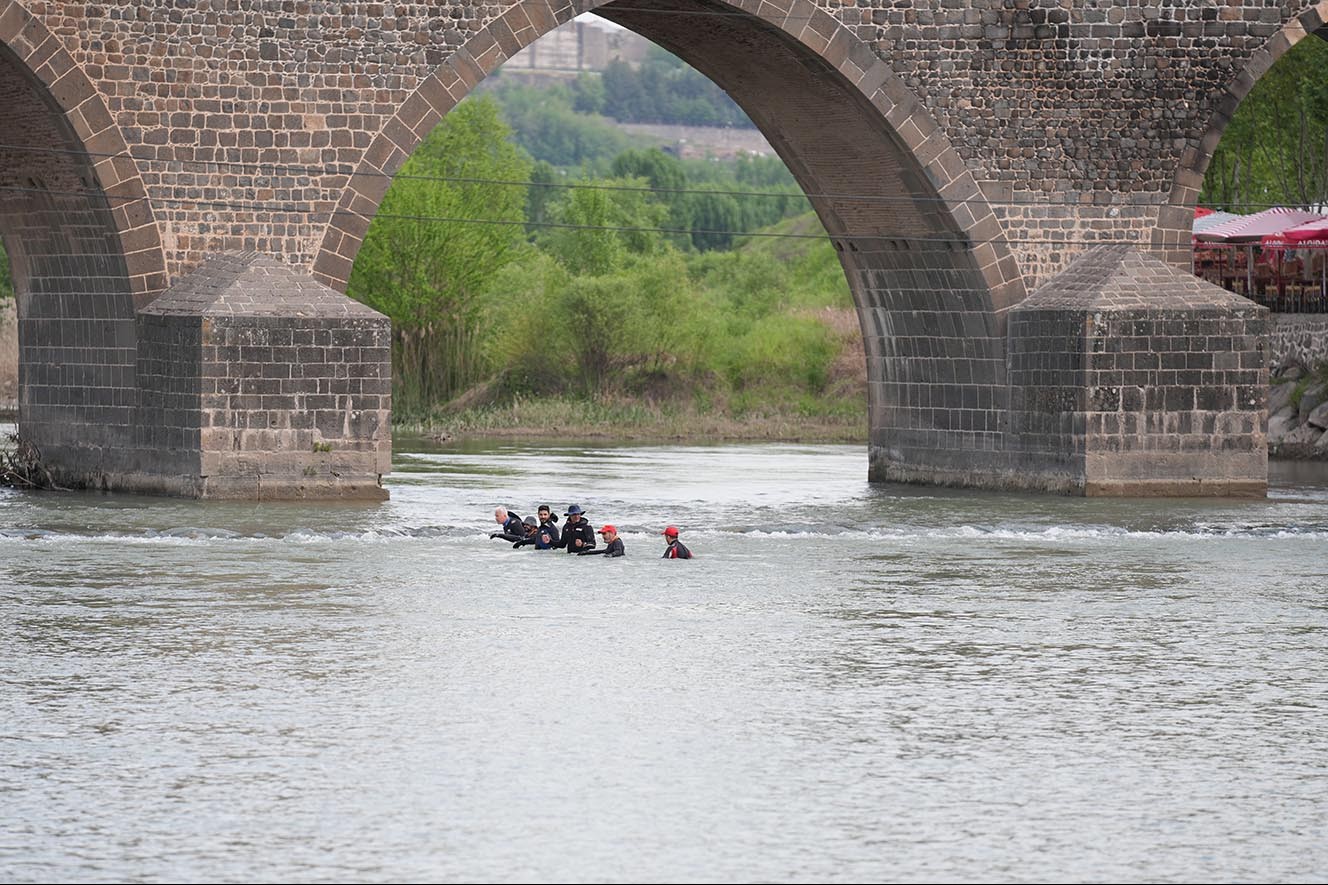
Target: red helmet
(671, 532)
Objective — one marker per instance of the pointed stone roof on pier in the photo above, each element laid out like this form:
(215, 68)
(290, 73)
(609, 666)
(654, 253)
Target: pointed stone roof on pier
(253, 285)
(1124, 277)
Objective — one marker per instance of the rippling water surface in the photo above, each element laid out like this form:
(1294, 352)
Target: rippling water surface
(849, 683)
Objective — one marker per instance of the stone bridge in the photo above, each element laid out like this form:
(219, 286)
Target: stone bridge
(184, 185)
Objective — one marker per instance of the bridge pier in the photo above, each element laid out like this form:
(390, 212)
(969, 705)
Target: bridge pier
(1126, 377)
(253, 382)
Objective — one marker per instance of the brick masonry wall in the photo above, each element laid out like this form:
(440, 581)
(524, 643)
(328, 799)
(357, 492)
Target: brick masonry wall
(260, 383)
(1158, 378)
(1037, 97)
(1298, 338)
(75, 306)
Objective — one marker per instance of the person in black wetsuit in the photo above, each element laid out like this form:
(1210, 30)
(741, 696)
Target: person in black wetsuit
(615, 544)
(546, 536)
(512, 527)
(675, 550)
(578, 535)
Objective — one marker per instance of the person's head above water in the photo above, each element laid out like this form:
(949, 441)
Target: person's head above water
(531, 525)
(574, 513)
(671, 533)
(500, 515)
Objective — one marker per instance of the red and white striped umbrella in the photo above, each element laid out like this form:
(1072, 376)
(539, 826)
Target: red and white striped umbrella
(1253, 228)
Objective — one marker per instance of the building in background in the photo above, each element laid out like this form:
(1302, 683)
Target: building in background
(580, 47)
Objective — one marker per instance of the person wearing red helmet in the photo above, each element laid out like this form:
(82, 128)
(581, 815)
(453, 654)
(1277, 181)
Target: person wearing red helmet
(614, 543)
(675, 550)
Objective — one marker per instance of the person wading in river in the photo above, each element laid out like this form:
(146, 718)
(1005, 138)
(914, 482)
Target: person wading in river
(615, 543)
(675, 550)
(512, 527)
(578, 535)
(546, 538)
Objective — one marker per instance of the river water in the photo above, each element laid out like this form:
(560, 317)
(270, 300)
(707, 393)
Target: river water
(850, 682)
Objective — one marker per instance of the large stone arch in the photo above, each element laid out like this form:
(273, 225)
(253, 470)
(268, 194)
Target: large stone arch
(1172, 234)
(948, 182)
(91, 140)
(925, 256)
(85, 249)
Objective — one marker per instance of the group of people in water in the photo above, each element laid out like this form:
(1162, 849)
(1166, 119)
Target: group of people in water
(577, 534)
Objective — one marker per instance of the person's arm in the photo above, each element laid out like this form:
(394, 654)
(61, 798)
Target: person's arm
(591, 552)
(505, 536)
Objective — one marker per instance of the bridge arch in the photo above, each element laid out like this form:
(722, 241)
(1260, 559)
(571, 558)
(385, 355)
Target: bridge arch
(1172, 234)
(816, 40)
(83, 242)
(924, 255)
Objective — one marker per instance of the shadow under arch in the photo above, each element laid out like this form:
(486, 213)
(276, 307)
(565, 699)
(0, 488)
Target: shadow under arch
(924, 255)
(1171, 236)
(84, 247)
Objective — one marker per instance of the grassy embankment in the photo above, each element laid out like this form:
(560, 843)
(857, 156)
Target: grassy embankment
(760, 343)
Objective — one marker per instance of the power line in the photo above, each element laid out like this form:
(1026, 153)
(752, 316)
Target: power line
(957, 240)
(287, 169)
(283, 169)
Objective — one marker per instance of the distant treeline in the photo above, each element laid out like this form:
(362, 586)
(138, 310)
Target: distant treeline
(664, 89)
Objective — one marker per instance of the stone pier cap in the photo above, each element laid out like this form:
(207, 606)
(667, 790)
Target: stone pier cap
(257, 381)
(1147, 380)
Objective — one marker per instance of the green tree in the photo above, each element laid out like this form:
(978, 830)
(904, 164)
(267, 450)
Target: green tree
(430, 276)
(1275, 149)
(6, 279)
(604, 227)
(541, 193)
(715, 217)
(545, 125)
(665, 89)
(660, 170)
(588, 94)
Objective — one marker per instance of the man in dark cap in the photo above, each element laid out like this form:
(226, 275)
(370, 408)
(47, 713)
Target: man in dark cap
(529, 526)
(578, 535)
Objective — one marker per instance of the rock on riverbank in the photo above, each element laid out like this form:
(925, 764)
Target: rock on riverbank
(1298, 414)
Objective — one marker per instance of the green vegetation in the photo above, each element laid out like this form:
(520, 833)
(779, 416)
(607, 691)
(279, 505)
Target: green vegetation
(586, 309)
(664, 89)
(1275, 150)
(431, 278)
(6, 279)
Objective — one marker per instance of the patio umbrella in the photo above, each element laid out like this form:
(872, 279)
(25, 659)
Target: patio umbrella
(1311, 235)
(1253, 228)
(1211, 220)
(1250, 230)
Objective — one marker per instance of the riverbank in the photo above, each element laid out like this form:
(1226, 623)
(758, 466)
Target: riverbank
(812, 421)
(1298, 413)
